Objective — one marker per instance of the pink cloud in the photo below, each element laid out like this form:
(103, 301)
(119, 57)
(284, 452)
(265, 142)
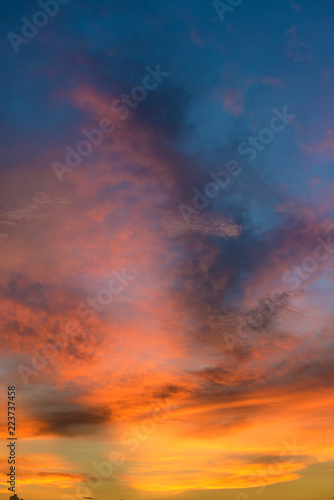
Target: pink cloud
(233, 101)
(272, 81)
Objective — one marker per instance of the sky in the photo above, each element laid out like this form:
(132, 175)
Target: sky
(167, 249)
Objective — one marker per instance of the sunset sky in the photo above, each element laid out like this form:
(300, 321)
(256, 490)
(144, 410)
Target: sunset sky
(167, 284)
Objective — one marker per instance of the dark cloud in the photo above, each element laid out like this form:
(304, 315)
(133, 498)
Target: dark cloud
(72, 419)
(217, 375)
(169, 390)
(263, 318)
(20, 289)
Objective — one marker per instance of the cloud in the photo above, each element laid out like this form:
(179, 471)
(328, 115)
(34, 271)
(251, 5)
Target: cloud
(272, 81)
(54, 414)
(36, 209)
(72, 420)
(326, 145)
(204, 224)
(296, 7)
(233, 101)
